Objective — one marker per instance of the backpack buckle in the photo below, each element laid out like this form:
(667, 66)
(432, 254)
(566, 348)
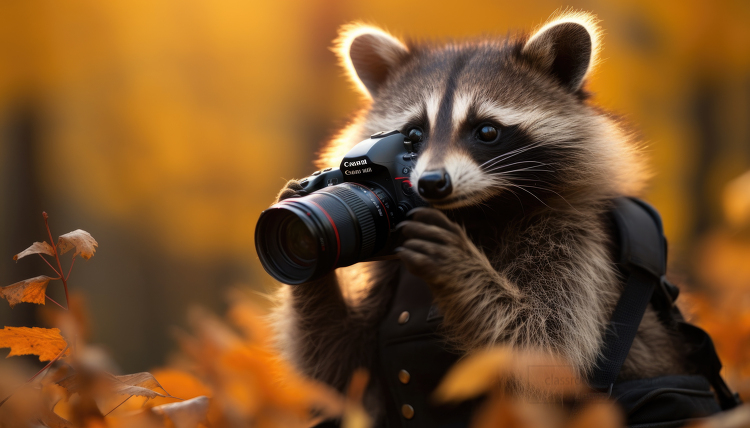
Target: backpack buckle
(668, 290)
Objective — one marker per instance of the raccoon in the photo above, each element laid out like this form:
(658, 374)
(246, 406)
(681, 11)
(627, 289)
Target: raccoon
(518, 168)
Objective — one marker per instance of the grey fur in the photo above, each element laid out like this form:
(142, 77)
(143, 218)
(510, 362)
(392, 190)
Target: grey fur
(522, 255)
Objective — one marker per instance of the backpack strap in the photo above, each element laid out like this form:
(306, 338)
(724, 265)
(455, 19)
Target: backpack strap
(642, 259)
(643, 262)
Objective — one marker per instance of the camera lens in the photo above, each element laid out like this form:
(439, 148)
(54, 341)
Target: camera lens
(297, 242)
(301, 239)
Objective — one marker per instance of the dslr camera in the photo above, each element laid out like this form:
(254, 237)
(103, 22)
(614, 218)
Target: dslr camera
(348, 215)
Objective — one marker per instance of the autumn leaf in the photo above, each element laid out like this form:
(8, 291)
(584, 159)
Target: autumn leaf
(474, 375)
(181, 383)
(32, 290)
(36, 248)
(185, 414)
(602, 414)
(541, 374)
(503, 412)
(47, 343)
(736, 418)
(143, 380)
(50, 419)
(84, 243)
(139, 384)
(74, 321)
(355, 415)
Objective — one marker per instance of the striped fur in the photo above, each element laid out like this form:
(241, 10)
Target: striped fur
(519, 253)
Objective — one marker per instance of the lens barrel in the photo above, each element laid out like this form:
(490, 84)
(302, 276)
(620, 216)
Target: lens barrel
(301, 239)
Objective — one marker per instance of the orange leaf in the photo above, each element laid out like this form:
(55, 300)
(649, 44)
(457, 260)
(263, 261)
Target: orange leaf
(540, 374)
(355, 415)
(84, 243)
(51, 419)
(141, 380)
(36, 248)
(602, 414)
(47, 343)
(181, 384)
(499, 411)
(474, 375)
(185, 414)
(32, 290)
(139, 384)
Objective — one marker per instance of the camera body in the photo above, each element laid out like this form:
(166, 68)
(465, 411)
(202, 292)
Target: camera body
(347, 216)
(382, 163)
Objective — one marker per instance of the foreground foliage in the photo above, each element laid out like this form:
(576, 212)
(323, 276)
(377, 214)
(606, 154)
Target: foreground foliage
(228, 374)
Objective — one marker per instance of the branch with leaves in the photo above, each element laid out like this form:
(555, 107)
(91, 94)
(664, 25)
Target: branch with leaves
(72, 374)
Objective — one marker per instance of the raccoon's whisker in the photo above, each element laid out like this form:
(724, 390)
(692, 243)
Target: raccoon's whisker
(536, 164)
(506, 155)
(498, 159)
(516, 163)
(529, 169)
(519, 200)
(530, 193)
(550, 190)
(510, 154)
(530, 179)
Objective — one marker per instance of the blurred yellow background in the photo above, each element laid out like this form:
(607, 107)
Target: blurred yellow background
(164, 127)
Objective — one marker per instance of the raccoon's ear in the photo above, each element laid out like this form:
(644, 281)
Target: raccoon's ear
(369, 55)
(567, 47)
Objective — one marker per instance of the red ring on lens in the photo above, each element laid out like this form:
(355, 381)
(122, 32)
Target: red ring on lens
(335, 230)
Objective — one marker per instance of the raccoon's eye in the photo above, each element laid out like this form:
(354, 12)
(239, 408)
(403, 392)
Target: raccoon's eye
(415, 135)
(487, 134)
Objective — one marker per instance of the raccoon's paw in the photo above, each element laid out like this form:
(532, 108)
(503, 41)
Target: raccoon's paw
(292, 189)
(438, 250)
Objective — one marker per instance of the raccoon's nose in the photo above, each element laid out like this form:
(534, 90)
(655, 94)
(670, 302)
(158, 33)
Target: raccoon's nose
(435, 184)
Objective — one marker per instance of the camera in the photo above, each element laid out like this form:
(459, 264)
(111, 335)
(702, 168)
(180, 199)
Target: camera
(348, 215)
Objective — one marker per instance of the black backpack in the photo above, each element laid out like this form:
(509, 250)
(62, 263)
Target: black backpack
(667, 401)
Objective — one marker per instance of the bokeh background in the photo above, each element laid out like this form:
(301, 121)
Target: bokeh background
(164, 127)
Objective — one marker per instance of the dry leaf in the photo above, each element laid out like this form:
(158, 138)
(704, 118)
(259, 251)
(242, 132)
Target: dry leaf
(74, 322)
(357, 385)
(540, 375)
(736, 418)
(138, 384)
(501, 412)
(250, 384)
(181, 384)
(474, 375)
(355, 415)
(72, 383)
(36, 248)
(142, 419)
(84, 243)
(185, 414)
(50, 419)
(47, 343)
(142, 380)
(602, 414)
(32, 290)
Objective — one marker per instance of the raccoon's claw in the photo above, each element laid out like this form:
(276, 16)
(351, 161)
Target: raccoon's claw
(292, 190)
(431, 225)
(433, 217)
(434, 247)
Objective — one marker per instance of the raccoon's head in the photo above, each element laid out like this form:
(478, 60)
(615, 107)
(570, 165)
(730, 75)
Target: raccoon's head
(495, 118)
